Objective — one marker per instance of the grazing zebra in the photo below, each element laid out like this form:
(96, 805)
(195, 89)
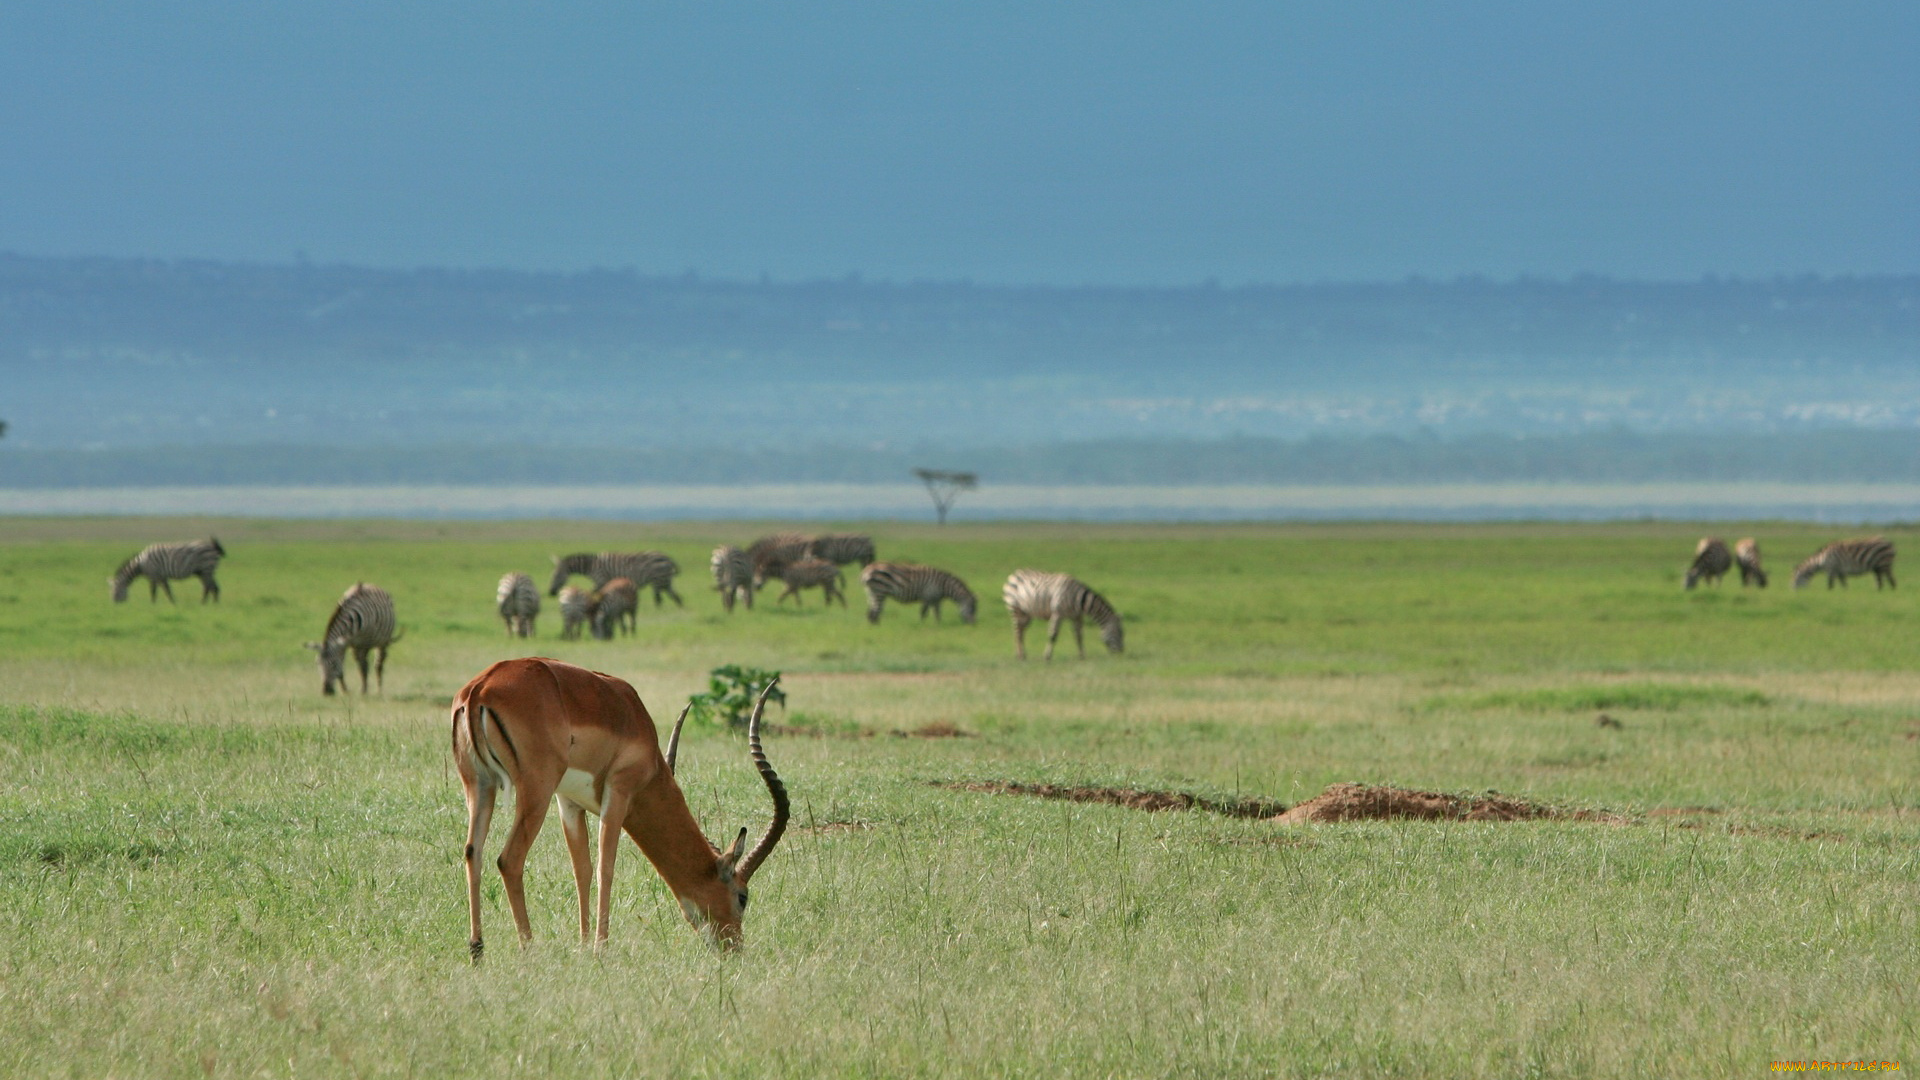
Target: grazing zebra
(1746, 555)
(646, 569)
(732, 575)
(771, 554)
(613, 608)
(519, 603)
(161, 564)
(1843, 559)
(1035, 594)
(1711, 560)
(362, 621)
(576, 608)
(842, 548)
(909, 583)
(806, 573)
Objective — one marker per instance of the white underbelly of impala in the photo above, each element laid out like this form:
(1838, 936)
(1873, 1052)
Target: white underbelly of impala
(577, 787)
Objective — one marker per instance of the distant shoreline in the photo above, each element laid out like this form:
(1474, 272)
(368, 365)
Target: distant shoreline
(1745, 500)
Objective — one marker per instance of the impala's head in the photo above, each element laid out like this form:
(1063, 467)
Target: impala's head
(332, 655)
(720, 909)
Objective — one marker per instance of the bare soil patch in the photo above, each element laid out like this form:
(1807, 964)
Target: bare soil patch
(1132, 798)
(1365, 802)
(938, 729)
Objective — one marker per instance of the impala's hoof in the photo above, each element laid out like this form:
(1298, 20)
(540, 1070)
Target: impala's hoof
(475, 950)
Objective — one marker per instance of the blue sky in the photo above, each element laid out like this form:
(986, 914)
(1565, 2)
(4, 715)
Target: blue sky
(1017, 143)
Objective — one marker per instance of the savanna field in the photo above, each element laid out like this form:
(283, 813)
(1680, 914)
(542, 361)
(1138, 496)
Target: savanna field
(208, 869)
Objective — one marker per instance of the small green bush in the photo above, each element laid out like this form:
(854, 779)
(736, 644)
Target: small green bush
(731, 692)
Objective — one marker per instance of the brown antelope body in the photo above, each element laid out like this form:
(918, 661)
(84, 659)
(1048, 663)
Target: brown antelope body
(541, 728)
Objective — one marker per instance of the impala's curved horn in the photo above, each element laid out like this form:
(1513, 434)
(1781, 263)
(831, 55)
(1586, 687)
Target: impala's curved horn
(673, 742)
(775, 788)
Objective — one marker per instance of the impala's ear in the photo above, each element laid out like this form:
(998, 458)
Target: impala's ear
(731, 857)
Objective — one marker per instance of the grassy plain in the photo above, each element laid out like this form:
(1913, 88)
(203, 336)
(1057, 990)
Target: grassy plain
(207, 869)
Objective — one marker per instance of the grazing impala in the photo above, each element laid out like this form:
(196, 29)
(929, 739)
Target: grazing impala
(543, 728)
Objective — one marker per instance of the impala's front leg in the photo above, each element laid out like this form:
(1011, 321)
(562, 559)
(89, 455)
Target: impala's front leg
(574, 821)
(613, 815)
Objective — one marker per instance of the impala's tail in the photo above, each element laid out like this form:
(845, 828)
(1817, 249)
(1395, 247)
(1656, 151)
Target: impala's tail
(470, 718)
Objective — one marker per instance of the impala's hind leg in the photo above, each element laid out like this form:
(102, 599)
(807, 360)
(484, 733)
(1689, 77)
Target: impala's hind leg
(529, 813)
(480, 796)
(574, 821)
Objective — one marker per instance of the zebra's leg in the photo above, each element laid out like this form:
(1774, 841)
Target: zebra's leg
(749, 595)
(1020, 636)
(360, 657)
(209, 588)
(379, 670)
(1078, 641)
(1053, 634)
(153, 590)
(677, 602)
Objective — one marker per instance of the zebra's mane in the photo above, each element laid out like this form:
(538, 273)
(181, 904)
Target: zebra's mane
(1099, 610)
(339, 609)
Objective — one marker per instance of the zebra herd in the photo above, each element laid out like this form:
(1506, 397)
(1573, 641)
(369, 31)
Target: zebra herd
(1839, 560)
(799, 562)
(363, 621)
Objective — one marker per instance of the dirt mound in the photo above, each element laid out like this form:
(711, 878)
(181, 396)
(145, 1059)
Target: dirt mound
(1364, 802)
(1132, 798)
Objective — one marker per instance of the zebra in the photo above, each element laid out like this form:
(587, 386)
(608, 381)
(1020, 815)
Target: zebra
(652, 569)
(362, 621)
(908, 583)
(732, 575)
(1746, 555)
(842, 548)
(519, 603)
(807, 573)
(771, 554)
(1036, 594)
(1711, 560)
(161, 564)
(576, 608)
(1843, 559)
(613, 609)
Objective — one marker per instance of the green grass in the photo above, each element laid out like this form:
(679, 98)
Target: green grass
(208, 869)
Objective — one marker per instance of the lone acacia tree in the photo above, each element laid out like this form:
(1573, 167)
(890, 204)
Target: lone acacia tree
(945, 487)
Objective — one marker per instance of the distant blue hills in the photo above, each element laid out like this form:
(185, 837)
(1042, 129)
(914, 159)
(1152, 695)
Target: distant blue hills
(119, 368)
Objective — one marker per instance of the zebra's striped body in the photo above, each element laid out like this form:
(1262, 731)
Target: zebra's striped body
(519, 602)
(842, 548)
(646, 569)
(363, 621)
(161, 564)
(908, 583)
(1035, 594)
(1746, 555)
(771, 554)
(806, 573)
(1711, 561)
(1843, 559)
(614, 605)
(576, 608)
(732, 575)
